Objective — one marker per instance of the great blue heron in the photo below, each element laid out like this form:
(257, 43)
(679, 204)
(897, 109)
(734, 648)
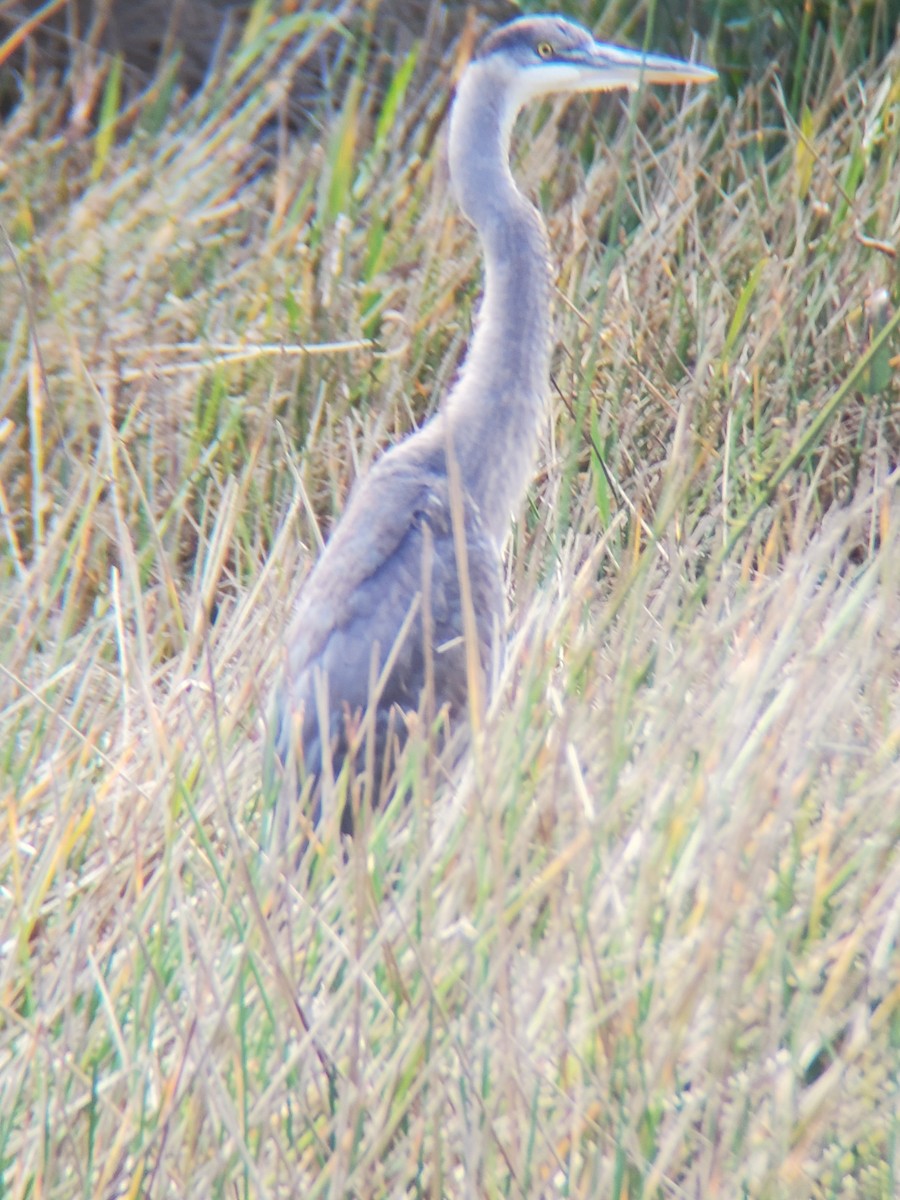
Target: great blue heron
(420, 544)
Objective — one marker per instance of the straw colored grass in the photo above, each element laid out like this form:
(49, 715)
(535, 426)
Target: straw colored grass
(642, 940)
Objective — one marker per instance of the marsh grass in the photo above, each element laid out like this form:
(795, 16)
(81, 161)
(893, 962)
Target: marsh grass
(643, 940)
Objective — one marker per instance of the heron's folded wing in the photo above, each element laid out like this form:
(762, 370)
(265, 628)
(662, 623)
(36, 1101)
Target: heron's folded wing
(367, 589)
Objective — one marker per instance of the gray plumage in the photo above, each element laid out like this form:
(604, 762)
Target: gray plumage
(368, 583)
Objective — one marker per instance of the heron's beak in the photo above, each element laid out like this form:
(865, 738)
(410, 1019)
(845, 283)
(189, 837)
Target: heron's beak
(602, 67)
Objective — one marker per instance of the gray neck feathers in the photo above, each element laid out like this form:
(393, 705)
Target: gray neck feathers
(495, 410)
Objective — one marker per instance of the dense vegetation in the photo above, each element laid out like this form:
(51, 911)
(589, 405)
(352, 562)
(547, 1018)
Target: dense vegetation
(642, 941)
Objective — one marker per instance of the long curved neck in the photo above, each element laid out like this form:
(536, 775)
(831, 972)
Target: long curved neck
(494, 411)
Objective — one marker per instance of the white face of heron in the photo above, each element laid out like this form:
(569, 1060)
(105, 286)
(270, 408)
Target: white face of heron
(545, 79)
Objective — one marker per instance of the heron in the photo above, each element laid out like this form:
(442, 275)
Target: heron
(408, 595)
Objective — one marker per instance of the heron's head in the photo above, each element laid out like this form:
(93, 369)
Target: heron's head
(539, 56)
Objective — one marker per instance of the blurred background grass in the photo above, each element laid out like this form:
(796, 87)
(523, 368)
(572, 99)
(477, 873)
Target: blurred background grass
(645, 941)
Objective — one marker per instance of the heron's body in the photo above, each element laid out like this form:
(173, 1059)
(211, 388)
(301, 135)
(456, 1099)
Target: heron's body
(367, 585)
(393, 555)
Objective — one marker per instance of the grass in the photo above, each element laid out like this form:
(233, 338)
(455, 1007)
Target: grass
(642, 942)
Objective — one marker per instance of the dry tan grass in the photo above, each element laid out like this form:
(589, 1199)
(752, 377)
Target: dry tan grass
(644, 940)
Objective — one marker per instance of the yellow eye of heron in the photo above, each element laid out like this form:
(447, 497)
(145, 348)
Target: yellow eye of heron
(545, 49)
